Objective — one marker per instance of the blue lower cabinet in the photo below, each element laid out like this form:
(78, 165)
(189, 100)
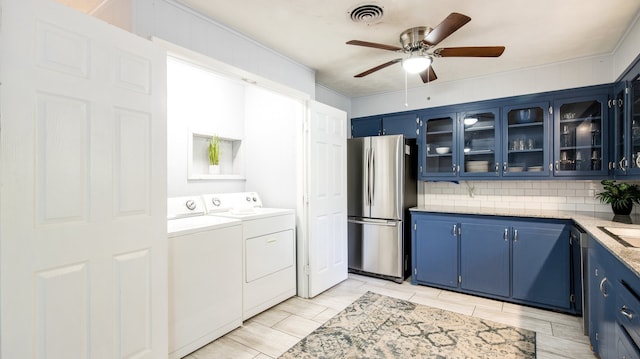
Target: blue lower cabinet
(541, 272)
(436, 246)
(484, 257)
(614, 305)
(512, 259)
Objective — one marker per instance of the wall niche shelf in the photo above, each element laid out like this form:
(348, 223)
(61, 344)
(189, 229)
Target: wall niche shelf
(231, 159)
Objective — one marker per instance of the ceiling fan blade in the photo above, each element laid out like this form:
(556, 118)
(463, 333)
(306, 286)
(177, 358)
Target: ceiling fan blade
(447, 27)
(379, 67)
(374, 45)
(477, 51)
(428, 75)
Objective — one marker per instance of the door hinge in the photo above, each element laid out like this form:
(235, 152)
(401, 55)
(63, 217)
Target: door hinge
(459, 279)
(572, 298)
(420, 169)
(306, 269)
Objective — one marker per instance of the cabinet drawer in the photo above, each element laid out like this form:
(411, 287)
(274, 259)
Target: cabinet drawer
(628, 311)
(625, 347)
(268, 254)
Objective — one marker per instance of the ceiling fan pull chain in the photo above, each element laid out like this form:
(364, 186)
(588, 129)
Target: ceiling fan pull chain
(406, 92)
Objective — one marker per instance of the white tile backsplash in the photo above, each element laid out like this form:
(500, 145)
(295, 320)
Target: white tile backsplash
(551, 195)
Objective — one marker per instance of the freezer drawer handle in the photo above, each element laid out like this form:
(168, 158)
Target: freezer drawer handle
(381, 223)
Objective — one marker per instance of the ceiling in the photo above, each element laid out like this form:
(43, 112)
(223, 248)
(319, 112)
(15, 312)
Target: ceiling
(534, 33)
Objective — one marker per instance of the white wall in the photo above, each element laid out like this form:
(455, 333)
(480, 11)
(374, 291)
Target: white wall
(570, 74)
(175, 23)
(333, 98)
(202, 102)
(273, 133)
(628, 49)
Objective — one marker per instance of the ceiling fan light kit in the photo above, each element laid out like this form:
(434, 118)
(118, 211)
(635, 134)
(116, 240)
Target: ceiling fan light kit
(416, 64)
(417, 42)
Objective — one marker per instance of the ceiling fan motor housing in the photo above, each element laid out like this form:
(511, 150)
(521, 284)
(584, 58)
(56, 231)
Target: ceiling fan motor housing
(412, 39)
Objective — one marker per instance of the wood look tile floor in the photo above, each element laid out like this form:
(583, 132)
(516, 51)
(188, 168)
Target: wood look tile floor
(274, 331)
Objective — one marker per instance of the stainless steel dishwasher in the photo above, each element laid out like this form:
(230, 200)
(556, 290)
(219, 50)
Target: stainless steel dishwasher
(581, 281)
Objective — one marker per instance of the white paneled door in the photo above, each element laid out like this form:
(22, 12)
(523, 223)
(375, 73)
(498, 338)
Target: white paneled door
(327, 197)
(83, 246)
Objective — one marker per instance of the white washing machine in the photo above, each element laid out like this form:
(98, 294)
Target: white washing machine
(205, 275)
(269, 247)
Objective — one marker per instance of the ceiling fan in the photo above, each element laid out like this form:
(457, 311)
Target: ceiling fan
(417, 43)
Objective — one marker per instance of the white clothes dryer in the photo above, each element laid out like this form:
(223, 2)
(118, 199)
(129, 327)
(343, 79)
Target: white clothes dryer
(269, 248)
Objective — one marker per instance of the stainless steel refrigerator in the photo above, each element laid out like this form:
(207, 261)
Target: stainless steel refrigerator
(381, 174)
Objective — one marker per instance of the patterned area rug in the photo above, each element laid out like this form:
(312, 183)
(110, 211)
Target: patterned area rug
(377, 326)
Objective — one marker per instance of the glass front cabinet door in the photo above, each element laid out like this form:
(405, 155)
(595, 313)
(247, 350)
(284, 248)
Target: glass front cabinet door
(580, 129)
(634, 108)
(479, 143)
(439, 154)
(525, 140)
(619, 156)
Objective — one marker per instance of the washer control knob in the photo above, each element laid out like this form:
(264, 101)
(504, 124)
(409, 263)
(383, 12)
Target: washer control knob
(248, 199)
(191, 205)
(255, 199)
(215, 201)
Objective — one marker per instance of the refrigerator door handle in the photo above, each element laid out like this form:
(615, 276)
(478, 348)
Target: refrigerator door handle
(373, 176)
(380, 222)
(368, 174)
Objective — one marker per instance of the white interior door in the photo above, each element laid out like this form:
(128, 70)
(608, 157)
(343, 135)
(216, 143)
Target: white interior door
(83, 248)
(327, 197)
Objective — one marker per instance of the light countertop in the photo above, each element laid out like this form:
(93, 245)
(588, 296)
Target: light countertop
(589, 221)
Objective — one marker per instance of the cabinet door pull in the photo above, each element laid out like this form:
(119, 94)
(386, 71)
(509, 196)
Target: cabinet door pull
(455, 230)
(603, 290)
(515, 235)
(623, 164)
(625, 311)
(497, 167)
(506, 234)
(504, 167)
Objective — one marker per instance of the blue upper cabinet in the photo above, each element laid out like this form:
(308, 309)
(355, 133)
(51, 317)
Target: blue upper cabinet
(562, 134)
(405, 124)
(398, 124)
(525, 147)
(460, 144)
(438, 146)
(479, 143)
(366, 126)
(626, 147)
(580, 130)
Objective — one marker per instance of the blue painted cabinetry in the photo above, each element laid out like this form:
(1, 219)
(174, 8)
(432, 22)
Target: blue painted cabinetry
(484, 256)
(541, 271)
(514, 259)
(366, 126)
(561, 134)
(614, 305)
(580, 134)
(395, 124)
(626, 154)
(437, 249)
(460, 144)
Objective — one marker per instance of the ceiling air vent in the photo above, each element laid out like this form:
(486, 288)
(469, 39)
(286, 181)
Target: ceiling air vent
(366, 14)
